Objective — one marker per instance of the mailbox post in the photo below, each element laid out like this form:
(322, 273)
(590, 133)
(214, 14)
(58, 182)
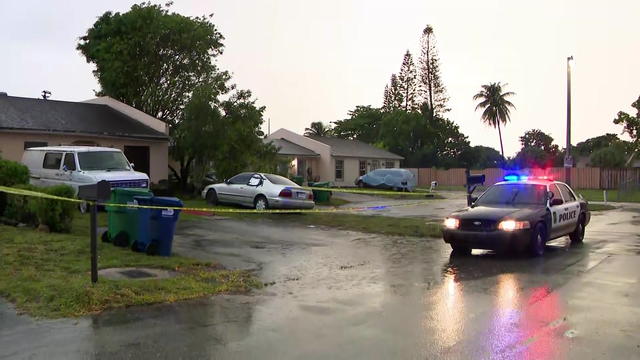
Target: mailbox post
(473, 180)
(94, 193)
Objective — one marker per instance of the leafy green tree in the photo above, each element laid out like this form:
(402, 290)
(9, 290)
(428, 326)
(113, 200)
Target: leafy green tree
(496, 108)
(407, 83)
(538, 150)
(432, 90)
(225, 134)
(483, 157)
(392, 95)
(317, 128)
(608, 157)
(152, 59)
(363, 124)
(631, 126)
(422, 141)
(591, 145)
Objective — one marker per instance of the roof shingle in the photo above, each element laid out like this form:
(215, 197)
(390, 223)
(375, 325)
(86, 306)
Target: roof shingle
(355, 148)
(17, 113)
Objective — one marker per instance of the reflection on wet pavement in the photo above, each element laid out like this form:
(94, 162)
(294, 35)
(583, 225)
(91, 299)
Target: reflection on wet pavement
(346, 295)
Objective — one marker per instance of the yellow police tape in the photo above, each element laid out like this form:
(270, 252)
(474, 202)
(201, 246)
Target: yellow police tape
(30, 193)
(369, 192)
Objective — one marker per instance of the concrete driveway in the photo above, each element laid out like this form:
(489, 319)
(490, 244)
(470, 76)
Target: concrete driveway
(347, 295)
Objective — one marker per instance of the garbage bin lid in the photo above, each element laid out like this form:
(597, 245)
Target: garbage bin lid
(166, 201)
(144, 199)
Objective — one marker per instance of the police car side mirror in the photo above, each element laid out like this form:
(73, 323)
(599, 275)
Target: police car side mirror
(556, 202)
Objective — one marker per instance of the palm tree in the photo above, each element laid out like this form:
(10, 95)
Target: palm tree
(496, 107)
(317, 128)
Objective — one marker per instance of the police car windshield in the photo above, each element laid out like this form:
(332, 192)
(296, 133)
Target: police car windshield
(514, 194)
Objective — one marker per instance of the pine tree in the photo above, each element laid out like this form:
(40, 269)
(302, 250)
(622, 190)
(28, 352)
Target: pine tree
(407, 83)
(432, 91)
(392, 96)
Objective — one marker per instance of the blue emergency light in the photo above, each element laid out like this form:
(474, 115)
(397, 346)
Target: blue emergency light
(516, 177)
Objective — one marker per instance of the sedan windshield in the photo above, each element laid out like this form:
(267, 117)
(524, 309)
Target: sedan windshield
(279, 180)
(102, 160)
(514, 194)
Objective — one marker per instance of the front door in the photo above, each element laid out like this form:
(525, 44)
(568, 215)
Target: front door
(556, 212)
(233, 191)
(139, 156)
(571, 209)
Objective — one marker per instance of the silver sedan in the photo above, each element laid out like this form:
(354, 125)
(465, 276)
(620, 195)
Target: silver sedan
(260, 191)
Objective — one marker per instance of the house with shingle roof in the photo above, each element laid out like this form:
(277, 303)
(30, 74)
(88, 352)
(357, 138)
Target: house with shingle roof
(31, 122)
(340, 161)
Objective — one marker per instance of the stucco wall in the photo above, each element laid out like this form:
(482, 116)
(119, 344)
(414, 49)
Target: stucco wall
(322, 166)
(12, 148)
(352, 169)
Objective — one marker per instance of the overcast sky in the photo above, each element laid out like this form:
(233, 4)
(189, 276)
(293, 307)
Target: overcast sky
(316, 60)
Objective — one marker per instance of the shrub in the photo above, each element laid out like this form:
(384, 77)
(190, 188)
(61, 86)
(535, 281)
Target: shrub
(12, 173)
(22, 208)
(56, 214)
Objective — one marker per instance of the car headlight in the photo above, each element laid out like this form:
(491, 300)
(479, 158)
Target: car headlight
(511, 225)
(451, 223)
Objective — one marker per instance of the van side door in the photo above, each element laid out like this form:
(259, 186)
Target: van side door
(51, 168)
(69, 168)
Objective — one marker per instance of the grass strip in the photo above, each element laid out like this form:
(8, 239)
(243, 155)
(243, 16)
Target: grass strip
(375, 224)
(601, 207)
(48, 275)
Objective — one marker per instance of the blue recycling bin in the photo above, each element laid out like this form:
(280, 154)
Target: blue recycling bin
(157, 226)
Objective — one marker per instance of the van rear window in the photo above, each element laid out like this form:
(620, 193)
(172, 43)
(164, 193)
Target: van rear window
(52, 161)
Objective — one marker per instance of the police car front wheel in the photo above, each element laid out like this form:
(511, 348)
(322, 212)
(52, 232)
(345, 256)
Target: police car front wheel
(538, 240)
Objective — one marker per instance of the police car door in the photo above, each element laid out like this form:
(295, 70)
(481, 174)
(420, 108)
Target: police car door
(556, 212)
(571, 209)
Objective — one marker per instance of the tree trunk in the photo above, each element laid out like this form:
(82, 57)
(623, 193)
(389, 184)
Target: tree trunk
(185, 170)
(500, 136)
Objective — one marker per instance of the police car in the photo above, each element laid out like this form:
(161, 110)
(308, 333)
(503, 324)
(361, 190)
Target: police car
(521, 213)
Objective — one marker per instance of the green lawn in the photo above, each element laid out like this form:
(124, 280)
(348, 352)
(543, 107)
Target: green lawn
(48, 275)
(612, 195)
(601, 207)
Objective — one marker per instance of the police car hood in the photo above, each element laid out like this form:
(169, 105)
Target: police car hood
(496, 212)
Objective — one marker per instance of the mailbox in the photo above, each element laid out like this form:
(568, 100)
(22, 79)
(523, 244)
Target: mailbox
(475, 179)
(100, 191)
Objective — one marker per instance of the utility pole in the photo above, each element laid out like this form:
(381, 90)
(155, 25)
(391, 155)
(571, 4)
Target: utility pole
(568, 161)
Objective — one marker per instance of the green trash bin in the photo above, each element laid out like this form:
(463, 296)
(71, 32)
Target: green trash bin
(298, 180)
(124, 226)
(320, 196)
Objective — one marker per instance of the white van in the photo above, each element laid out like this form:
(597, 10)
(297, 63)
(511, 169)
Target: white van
(81, 165)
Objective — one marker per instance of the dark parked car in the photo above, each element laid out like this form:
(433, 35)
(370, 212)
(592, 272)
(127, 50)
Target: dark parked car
(521, 213)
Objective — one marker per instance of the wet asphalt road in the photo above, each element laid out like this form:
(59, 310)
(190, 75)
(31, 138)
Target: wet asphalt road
(348, 295)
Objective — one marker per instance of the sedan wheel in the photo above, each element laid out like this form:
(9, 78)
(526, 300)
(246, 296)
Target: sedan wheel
(212, 197)
(260, 203)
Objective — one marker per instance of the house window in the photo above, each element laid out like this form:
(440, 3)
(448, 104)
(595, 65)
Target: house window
(52, 161)
(31, 144)
(389, 164)
(375, 164)
(362, 167)
(339, 170)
